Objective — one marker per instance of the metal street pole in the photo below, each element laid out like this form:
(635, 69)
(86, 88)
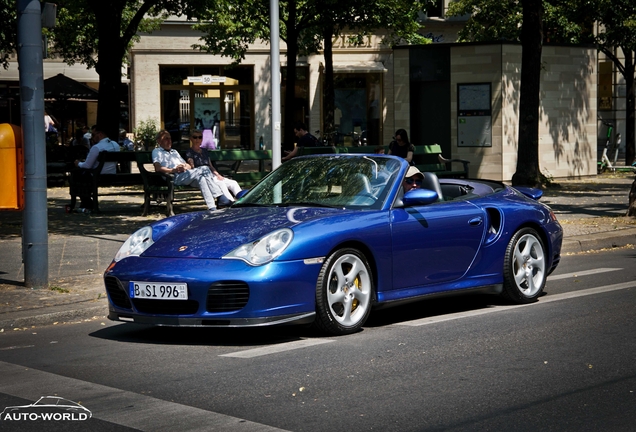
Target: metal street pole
(275, 73)
(35, 247)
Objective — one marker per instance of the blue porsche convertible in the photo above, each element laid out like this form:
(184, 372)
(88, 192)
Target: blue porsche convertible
(325, 239)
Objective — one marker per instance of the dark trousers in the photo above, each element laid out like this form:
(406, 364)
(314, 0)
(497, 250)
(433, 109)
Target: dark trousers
(81, 185)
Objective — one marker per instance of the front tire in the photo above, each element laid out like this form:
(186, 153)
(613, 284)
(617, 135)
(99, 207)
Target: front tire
(344, 291)
(524, 267)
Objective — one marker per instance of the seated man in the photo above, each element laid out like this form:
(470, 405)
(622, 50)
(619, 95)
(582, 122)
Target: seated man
(168, 161)
(198, 156)
(81, 182)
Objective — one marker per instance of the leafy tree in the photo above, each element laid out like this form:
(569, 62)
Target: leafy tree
(567, 21)
(397, 18)
(305, 26)
(8, 31)
(100, 33)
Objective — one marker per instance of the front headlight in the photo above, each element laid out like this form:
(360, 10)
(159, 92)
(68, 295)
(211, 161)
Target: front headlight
(136, 244)
(263, 250)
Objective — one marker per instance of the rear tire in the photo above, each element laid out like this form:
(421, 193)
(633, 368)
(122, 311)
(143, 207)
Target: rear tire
(524, 267)
(344, 292)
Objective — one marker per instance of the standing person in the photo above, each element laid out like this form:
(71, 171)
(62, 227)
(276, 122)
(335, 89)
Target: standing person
(401, 146)
(197, 156)
(81, 183)
(305, 139)
(168, 161)
(49, 123)
(209, 124)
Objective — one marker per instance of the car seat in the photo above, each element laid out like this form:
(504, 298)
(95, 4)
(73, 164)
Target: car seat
(431, 182)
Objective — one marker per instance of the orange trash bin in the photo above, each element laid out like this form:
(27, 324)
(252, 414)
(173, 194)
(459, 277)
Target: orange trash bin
(12, 174)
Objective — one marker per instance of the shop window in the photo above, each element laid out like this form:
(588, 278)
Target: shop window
(206, 70)
(173, 75)
(244, 75)
(358, 108)
(301, 100)
(435, 9)
(222, 109)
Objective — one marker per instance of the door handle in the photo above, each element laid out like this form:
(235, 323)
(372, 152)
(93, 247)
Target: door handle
(476, 221)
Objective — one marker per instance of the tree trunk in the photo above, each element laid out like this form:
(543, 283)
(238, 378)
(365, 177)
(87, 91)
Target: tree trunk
(329, 96)
(111, 53)
(630, 126)
(527, 173)
(631, 211)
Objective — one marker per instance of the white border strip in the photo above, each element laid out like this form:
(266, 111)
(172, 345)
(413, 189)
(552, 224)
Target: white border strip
(542, 300)
(118, 406)
(582, 273)
(273, 349)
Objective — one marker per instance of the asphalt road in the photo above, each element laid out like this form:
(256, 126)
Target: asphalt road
(567, 363)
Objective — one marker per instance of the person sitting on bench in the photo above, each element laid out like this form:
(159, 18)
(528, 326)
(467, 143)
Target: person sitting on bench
(168, 161)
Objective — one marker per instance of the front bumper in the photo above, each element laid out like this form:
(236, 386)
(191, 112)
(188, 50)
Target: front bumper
(221, 293)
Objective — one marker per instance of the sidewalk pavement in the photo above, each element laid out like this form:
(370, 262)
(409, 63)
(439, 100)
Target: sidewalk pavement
(591, 211)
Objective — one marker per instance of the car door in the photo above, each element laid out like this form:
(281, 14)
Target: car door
(435, 243)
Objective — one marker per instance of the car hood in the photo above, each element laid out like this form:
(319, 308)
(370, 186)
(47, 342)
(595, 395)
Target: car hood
(209, 235)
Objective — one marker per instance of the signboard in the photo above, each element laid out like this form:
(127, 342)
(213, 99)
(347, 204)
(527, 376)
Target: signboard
(207, 79)
(474, 115)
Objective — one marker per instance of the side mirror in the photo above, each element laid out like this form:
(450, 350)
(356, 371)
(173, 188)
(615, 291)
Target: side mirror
(420, 197)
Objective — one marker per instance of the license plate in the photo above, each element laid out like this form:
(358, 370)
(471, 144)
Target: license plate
(158, 290)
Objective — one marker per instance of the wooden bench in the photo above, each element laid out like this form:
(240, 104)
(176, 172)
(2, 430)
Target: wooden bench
(229, 164)
(303, 151)
(121, 178)
(428, 158)
(160, 187)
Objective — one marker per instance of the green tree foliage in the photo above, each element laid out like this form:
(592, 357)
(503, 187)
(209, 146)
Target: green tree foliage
(611, 24)
(100, 33)
(8, 30)
(232, 26)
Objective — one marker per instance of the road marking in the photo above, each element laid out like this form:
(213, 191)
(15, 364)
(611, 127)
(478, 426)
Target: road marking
(542, 300)
(273, 349)
(118, 406)
(582, 273)
(16, 347)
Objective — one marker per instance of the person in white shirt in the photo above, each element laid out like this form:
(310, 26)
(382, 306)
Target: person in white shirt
(81, 182)
(168, 161)
(103, 144)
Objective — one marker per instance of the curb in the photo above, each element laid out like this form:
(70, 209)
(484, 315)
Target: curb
(49, 318)
(605, 240)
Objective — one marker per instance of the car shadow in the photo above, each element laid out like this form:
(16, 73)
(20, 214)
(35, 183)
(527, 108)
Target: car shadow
(428, 308)
(200, 336)
(272, 335)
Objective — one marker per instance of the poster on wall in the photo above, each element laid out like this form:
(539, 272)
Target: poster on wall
(207, 116)
(474, 115)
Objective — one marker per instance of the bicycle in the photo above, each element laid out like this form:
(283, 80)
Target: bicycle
(605, 162)
(359, 138)
(328, 138)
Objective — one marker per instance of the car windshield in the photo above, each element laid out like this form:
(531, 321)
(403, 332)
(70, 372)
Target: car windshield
(349, 181)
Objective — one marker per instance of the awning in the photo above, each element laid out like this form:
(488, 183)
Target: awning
(357, 67)
(62, 88)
